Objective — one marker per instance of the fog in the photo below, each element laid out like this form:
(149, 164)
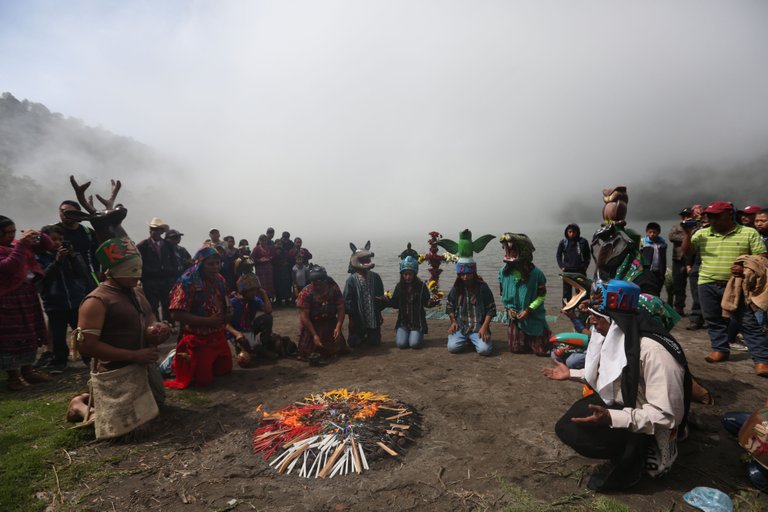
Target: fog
(364, 119)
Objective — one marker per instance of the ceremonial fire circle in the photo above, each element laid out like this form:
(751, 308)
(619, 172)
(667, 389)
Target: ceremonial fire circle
(339, 432)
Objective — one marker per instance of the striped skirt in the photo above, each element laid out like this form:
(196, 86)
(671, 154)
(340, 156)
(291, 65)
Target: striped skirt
(22, 328)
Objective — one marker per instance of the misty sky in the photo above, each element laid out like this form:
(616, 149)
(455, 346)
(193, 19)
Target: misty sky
(426, 114)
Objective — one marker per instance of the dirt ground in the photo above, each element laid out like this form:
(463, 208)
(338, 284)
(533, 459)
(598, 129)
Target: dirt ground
(488, 427)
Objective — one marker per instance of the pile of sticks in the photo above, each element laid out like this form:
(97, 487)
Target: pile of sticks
(335, 433)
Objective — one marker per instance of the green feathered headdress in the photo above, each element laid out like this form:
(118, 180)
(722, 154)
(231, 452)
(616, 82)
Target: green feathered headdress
(465, 247)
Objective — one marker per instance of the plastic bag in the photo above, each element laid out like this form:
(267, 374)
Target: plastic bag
(709, 499)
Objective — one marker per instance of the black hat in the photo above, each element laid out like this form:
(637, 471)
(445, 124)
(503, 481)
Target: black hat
(317, 273)
(172, 233)
(686, 211)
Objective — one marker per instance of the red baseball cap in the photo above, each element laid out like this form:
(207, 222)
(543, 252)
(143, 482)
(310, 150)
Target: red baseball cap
(749, 210)
(719, 207)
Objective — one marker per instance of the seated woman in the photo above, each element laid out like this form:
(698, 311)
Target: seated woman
(118, 329)
(250, 330)
(199, 302)
(321, 313)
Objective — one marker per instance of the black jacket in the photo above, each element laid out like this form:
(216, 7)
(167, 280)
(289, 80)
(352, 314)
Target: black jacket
(154, 267)
(573, 253)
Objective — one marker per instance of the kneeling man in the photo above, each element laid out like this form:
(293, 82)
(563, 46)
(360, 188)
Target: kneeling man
(641, 391)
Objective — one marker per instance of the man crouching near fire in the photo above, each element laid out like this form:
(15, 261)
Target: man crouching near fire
(641, 391)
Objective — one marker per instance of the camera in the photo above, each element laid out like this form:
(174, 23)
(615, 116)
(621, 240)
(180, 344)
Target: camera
(66, 244)
(689, 223)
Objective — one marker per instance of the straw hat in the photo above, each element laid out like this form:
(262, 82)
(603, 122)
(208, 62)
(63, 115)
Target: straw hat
(157, 222)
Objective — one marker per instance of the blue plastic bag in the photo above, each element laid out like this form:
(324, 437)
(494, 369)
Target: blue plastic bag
(709, 499)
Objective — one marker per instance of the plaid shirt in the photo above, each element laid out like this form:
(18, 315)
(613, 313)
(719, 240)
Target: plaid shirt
(471, 308)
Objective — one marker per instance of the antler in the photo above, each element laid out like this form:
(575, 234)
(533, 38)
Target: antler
(80, 193)
(110, 203)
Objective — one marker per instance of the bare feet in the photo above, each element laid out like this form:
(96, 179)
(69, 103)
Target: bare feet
(78, 408)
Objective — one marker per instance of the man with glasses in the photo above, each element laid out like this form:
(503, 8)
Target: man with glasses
(80, 239)
(80, 242)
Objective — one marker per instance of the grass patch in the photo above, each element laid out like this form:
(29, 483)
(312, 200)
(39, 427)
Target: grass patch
(603, 504)
(583, 501)
(189, 397)
(33, 438)
(750, 500)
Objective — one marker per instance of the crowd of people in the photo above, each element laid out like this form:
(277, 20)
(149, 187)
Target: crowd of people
(637, 384)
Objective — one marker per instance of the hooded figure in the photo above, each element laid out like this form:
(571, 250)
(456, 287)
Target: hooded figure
(572, 255)
(642, 391)
(523, 290)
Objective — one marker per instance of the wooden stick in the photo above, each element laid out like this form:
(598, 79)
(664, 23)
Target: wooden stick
(398, 416)
(302, 437)
(362, 456)
(399, 425)
(303, 464)
(387, 449)
(269, 434)
(312, 467)
(280, 457)
(329, 465)
(294, 463)
(391, 408)
(339, 465)
(290, 459)
(356, 454)
(58, 487)
(324, 454)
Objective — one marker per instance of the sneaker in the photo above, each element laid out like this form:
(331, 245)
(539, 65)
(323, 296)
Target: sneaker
(739, 346)
(57, 369)
(46, 358)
